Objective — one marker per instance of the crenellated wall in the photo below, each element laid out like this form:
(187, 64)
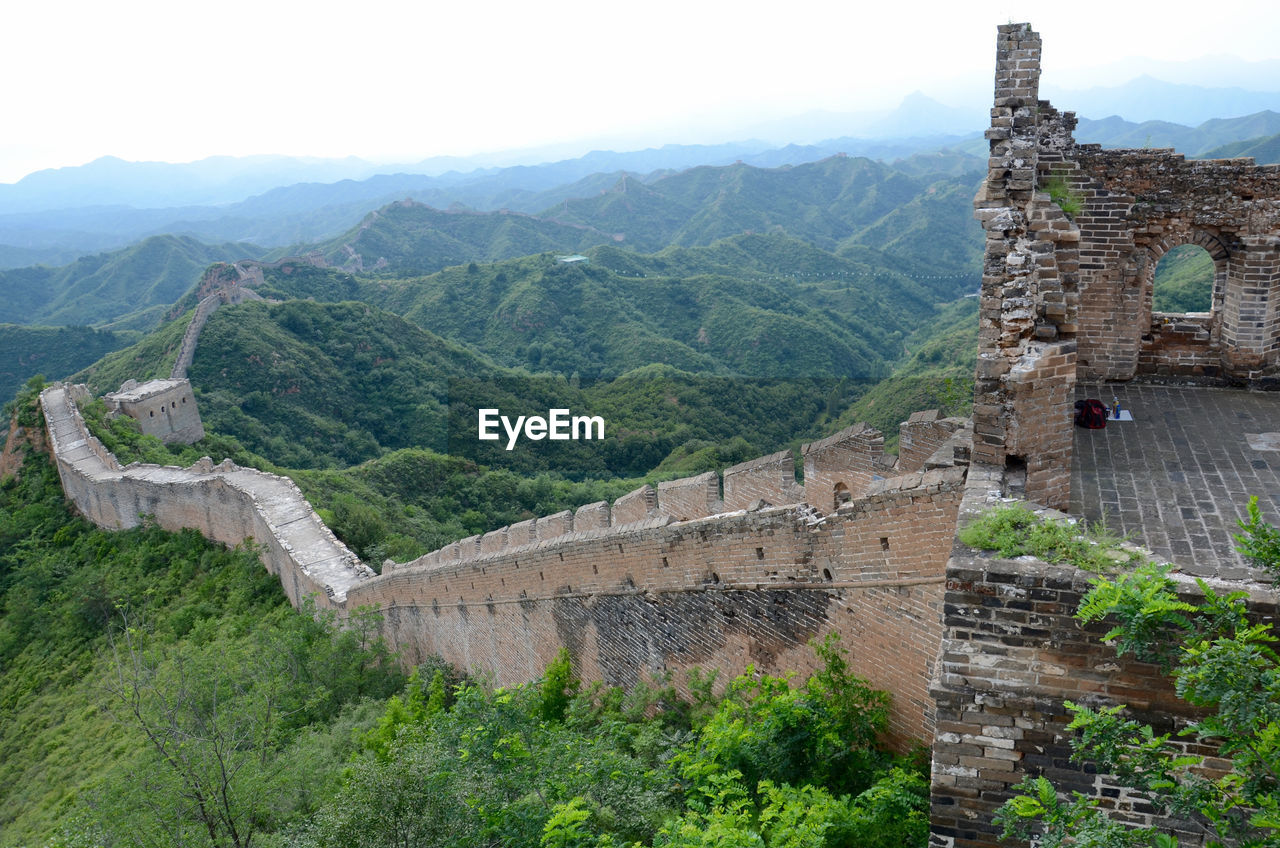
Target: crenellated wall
(656, 595)
(663, 580)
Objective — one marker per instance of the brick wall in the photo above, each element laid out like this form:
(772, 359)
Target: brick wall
(771, 479)
(843, 466)
(1012, 653)
(920, 436)
(1029, 302)
(635, 506)
(1180, 345)
(691, 497)
(720, 592)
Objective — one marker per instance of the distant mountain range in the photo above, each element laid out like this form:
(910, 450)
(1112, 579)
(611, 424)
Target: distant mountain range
(55, 216)
(1149, 99)
(1192, 141)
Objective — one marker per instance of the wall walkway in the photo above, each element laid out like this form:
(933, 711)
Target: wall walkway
(226, 503)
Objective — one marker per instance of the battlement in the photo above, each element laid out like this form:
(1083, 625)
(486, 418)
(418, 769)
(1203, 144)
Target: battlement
(840, 470)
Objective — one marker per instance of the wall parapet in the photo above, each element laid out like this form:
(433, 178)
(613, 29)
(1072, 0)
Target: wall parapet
(660, 595)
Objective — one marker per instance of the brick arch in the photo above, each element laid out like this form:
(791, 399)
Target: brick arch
(1213, 245)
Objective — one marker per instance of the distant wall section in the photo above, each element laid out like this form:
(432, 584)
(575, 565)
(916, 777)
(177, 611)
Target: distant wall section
(226, 503)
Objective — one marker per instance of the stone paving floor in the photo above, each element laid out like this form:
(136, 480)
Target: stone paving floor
(1178, 476)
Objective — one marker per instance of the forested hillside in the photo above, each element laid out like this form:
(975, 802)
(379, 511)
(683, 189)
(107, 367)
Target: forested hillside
(837, 205)
(135, 284)
(142, 672)
(327, 385)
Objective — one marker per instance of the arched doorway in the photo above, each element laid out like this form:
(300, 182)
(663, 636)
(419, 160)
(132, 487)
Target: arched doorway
(1184, 279)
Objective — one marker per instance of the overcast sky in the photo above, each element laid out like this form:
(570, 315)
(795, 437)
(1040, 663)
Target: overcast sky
(394, 80)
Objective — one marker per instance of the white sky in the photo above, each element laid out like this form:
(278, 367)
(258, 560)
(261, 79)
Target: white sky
(397, 80)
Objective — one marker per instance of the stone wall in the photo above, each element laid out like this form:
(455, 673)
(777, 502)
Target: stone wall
(226, 503)
(644, 598)
(1011, 653)
(1025, 380)
(1134, 206)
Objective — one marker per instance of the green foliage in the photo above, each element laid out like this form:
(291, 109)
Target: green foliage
(52, 351)
(767, 730)
(1015, 531)
(1070, 201)
(556, 764)
(1223, 664)
(937, 375)
(1260, 541)
(152, 357)
(559, 684)
(1184, 280)
(217, 623)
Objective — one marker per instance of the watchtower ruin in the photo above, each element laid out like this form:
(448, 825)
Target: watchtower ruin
(1074, 233)
(165, 409)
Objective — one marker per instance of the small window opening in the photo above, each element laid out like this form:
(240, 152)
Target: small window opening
(826, 574)
(842, 495)
(884, 543)
(759, 553)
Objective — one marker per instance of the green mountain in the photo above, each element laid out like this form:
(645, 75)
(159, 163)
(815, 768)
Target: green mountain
(821, 202)
(835, 204)
(1264, 150)
(408, 238)
(137, 282)
(54, 352)
(326, 385)
(938, 374)
(752, 305)
(1193, 141)
(1184, 280)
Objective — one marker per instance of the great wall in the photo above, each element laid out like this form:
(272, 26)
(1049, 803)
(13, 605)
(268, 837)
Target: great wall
(748, 566)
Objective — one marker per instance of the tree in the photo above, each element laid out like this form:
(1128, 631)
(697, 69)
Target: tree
(217, 713)
(1222, 662)
(211, 717)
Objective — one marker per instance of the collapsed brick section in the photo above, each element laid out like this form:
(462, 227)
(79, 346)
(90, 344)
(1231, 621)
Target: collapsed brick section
(1069, 293)
(1025, 380)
